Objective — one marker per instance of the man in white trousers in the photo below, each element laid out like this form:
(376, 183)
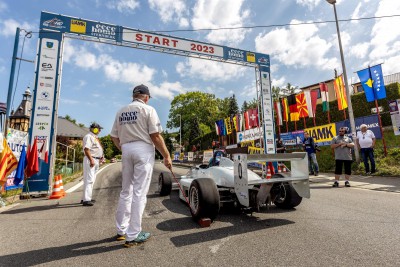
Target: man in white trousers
(136, 130)
(93, 155)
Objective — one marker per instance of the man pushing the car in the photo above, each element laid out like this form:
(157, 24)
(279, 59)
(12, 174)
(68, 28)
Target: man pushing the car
(136, 130)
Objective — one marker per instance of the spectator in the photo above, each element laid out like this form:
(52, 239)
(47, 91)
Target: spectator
(280, 147)
(342, 145)
(366, 142)
(310, 147)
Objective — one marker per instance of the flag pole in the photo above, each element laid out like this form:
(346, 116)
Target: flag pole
(304, 121)
(380, 128)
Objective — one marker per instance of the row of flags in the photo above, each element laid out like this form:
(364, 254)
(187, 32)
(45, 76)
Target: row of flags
(28, 163)
(238, 122)
(303, 105)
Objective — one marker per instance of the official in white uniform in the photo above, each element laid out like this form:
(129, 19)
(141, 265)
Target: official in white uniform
(135, 132)
(93, 155)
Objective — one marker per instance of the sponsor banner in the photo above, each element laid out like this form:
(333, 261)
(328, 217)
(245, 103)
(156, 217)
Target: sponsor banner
(268, 116)
(207, 155)
(170, 42)
(322, 134)
(394, 115)
(246, 56)
(249, 135)
(190, 156)
(185, 157)
(292, 138)
(176, 156)
(44, 101)
(15, 139)
(79, 26)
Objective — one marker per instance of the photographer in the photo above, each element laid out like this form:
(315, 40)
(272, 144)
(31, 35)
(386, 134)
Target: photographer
(310, 147)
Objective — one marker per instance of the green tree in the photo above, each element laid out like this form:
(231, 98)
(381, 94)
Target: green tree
(276, 91)
(233, 106)
(68, 118)
(253, 103)
(245, 106)
(193, 105)
(110, 150)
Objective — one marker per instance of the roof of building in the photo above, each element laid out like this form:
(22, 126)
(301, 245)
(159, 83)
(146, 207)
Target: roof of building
(70, 129)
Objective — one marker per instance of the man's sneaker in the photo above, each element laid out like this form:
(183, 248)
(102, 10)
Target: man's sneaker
(93, 201)
(335, 184)
(120, 237)
(316, 173)
(368, 173)
(311, 173)
(87, 203)
(347, 184)
(141, 238)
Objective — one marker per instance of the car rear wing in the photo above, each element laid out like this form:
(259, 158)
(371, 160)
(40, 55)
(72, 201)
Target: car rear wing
(298, 177)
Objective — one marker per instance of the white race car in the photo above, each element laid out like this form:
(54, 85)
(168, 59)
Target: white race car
(226, 182)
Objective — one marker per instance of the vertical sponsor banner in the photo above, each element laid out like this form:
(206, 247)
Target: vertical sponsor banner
(190, 156)
(394, 115)
(44, 106)
(207, 155)
(268, 116)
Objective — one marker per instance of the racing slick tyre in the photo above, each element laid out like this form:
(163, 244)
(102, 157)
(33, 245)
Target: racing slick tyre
(164, 184)
(288, 197)
(204, 199)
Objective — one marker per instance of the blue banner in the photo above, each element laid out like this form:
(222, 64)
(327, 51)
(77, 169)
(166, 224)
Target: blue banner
(372, 123)
(292, 138)
(371, 80)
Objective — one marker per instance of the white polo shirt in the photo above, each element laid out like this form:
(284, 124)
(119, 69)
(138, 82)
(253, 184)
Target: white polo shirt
(135, 122)
(365, 139)
(92, 142)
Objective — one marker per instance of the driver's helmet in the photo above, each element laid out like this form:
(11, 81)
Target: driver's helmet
(217, 160)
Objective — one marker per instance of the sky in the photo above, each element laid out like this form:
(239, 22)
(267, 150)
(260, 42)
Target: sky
(97, 79)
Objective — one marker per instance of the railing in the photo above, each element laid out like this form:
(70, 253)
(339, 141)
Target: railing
(69, 166)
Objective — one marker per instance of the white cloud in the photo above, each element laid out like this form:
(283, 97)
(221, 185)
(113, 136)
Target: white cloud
(224, 13)
(166, 89)
(69, 101)
(171, 10)
(209, 70)
(9, 26)
(123, 6)
(308, 3)
(297, 46)
(281, 82)
(359, 50)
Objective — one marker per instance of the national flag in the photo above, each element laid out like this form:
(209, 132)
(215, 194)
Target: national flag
(314, 98)
(285, 106)
(372, 81)
(33, 160)
(234, 121)
(246, 120)
(228, 125)
(278, 112)
(340, 91)
(217, 130)
(44, 151)
(307, 94)
(302, 105)
(294, 112)
(324, 96)
(241, 122)
(20, 172)
(253, 117)
(8, 162)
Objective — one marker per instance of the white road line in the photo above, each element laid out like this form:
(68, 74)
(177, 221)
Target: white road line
(72, 189)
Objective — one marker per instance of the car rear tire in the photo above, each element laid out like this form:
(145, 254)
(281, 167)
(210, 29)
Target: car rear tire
(204, 199)
(288, 197)
(164, 184)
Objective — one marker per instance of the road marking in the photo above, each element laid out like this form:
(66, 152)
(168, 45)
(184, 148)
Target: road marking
(72, 189)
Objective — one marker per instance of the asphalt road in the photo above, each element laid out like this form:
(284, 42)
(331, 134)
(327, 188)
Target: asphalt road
(357, 226)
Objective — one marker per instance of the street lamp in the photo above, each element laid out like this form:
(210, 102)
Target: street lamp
(180, 133)
(350, 106)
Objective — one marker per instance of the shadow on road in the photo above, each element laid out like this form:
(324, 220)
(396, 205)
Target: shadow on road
(245, 225)
(41, 208)
(40, 256)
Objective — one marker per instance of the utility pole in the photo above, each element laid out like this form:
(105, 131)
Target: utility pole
(350, 106)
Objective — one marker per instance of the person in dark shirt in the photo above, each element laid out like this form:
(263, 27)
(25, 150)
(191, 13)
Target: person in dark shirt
(309, 147)
(280, 147)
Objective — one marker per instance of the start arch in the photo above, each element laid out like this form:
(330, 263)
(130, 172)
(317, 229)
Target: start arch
(55, 27)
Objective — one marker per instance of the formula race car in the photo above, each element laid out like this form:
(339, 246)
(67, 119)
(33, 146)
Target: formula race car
(226, 182)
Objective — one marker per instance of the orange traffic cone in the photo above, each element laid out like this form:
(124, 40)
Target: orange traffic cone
(269, 175)
(56, 189)
(62, 186)
(279, 168)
